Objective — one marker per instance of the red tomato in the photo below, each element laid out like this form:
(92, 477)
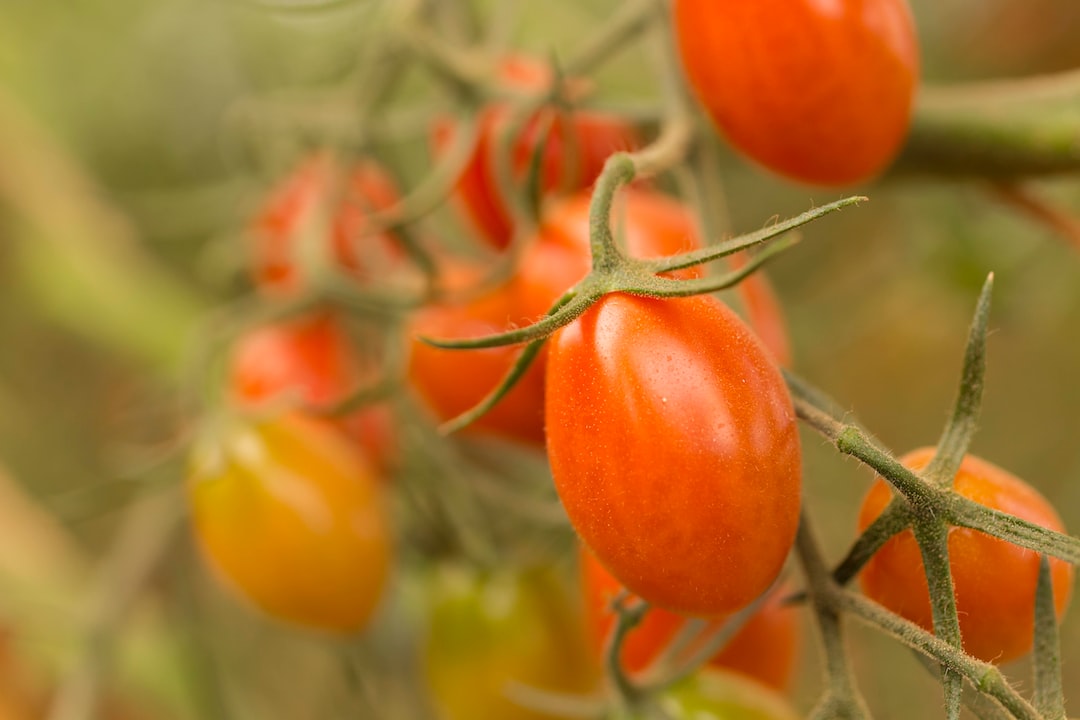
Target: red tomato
(994, 580)
(816, 90)
(292, 211)
(765, 648)
(576, 146)
(674, 449)
(487, 631)
(288, 515)
(452, 381)
(312, 357)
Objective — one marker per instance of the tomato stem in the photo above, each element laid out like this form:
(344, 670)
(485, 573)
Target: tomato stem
(1049, 696)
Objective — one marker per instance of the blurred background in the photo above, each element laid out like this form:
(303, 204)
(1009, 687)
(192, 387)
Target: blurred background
(137, 138)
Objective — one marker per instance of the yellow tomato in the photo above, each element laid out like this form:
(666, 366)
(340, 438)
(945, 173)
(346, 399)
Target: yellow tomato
(290, 516)
(491, 632)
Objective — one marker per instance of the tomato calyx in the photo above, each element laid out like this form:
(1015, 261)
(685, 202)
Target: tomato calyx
(614, 272)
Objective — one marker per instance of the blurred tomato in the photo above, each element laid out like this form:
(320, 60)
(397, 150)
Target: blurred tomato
(490, 631)
(450, 382)
(313, 359)
(576, 143)
(713, 693)
(325, 204)
(289, 515)
(765, 648)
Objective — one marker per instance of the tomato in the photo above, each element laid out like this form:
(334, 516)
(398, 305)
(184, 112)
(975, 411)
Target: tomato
(312, 357)
(674, 450)
(488, 631)
(994, 580)
(765, 648)
(452, 381)
(292, 211)
(576, 145)
(719, 695)
(817, 91)
(289, 515)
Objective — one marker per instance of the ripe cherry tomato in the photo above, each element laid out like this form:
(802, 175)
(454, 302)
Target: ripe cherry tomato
(994, 580)
(674, 449)
(293, 209)
(312, 357)
(452, 381)
(765, 648)
(488, 631)
(713, 693)
(576, 144)
(817, 91)
(289, 515)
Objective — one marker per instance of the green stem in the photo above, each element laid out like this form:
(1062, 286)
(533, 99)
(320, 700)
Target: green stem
(985, 677)
(998, 129)
(932, 536)
(842, 698)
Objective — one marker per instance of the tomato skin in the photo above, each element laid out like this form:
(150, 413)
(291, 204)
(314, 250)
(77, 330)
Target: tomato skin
(765, 648)
(291, 210)
(713, 693)
(487, 630)
(576, 145)
(994, 580)
(452, 381)
(312, 357)
(819, 92)
(674, 450)
(288, 514)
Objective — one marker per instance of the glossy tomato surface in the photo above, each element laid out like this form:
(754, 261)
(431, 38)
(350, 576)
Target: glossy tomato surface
(489, 631)
(289, 515)
(765, 648)
(994, 580)
(575, 146)
(674, 450)
(330, 206)
(452, 381)
(312, 359)
(817, 90)
(717, 695)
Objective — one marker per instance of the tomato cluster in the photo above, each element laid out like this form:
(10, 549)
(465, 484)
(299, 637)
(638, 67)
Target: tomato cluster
(666, 422)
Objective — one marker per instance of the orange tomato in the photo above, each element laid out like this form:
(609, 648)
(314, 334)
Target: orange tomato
(994, 580)
(289, 515)
(674, 449)
(818, 91)
(765, 648)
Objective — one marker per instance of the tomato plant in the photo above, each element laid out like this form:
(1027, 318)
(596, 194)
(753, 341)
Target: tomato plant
(312, 358)
(765, 648)
(288, 514)
(489, 631)
(994, 580)
(575, 145)
(713, 693)
(451, 382)
(688, 489)
(331, 207)
(819, 92)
